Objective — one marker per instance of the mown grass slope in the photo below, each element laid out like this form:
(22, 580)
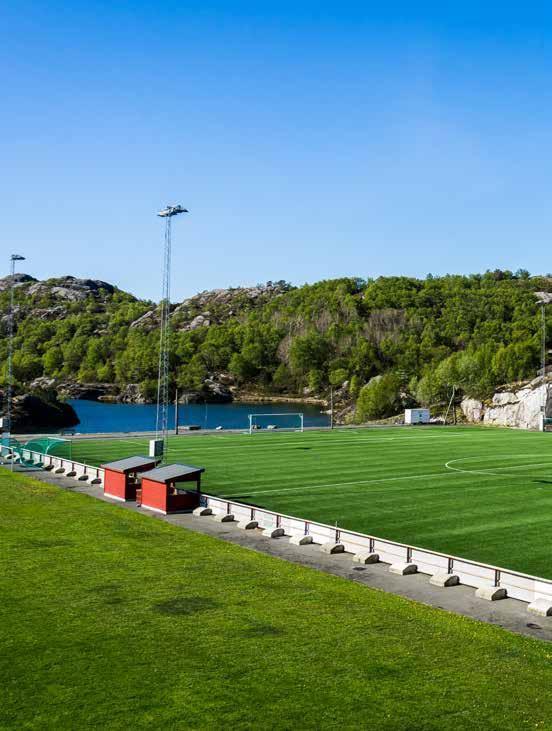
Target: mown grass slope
(111, 619)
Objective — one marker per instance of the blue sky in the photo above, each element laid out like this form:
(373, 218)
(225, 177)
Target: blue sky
(308, 139)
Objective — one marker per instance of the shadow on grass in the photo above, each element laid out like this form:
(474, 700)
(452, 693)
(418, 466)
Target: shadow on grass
(43, 543)
(110, 593)
(260, 629)
(185, 605)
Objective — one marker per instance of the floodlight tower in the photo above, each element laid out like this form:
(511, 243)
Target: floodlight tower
(162, 418)
(9, 383)
(543, 299)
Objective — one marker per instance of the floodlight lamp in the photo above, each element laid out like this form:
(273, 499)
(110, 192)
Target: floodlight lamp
(172, 211)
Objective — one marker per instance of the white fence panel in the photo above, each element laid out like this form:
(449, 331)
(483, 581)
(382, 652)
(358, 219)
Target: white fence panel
(429, 562)
(474, 574)
(355, 542)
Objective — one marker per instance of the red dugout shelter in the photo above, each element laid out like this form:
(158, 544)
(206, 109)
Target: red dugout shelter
(165, 489)
(121, 477)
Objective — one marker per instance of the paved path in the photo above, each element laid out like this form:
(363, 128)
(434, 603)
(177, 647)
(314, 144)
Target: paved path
(508, 613)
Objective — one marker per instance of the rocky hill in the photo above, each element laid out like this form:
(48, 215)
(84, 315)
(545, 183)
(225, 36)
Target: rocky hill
(213, 307)
(382, 344)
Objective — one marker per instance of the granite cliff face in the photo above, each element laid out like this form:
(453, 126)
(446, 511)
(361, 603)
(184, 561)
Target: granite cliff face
(520, 407)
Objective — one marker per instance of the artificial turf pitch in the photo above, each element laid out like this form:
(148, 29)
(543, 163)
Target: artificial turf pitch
(112, 620)
(478, 493)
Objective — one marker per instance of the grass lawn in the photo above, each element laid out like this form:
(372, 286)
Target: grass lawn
(484, 494)
(111, 619)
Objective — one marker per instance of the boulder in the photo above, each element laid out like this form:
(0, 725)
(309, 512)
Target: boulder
(31, 413)
(472, 409)
(131, 394)
(216, 392)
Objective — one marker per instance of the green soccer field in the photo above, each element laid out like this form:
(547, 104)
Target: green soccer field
(484, 494)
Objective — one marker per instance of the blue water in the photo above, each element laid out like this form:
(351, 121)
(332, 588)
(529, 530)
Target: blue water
(96, 416)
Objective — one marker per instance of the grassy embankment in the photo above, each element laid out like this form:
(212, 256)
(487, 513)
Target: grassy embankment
(111, 619)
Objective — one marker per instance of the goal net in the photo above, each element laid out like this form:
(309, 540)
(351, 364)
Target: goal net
(275, 422)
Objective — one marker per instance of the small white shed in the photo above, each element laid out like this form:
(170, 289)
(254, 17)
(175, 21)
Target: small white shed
(416, 416)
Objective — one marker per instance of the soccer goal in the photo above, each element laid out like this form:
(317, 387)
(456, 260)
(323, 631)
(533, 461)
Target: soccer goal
(275, 422)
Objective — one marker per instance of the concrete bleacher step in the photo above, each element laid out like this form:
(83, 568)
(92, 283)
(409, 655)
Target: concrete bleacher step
(301, 540)
(444, 580)
(224, 517)
(332, 547)
(248, 524)
(366, 557)
(541, 607)
(491, 593)
(403, 568)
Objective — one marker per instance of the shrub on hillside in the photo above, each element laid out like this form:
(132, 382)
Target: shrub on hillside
(379, 398)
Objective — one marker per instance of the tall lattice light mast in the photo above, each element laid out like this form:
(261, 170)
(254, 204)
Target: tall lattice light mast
(11, 330)
(162, 418)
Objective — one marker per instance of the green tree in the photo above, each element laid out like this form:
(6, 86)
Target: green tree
(379, 398)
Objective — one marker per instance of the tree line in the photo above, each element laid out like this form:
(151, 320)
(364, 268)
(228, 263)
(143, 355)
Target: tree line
(382, 343)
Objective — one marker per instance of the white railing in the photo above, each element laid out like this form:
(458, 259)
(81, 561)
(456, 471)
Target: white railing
(58, 465)
(471, 573)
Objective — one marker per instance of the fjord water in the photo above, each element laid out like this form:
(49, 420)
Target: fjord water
(96, 416)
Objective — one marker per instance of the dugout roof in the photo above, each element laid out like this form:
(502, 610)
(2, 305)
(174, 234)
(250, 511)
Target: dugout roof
(130, 463)
(173, 472)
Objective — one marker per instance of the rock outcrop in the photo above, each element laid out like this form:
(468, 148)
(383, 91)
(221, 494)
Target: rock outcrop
(32, 412)
(17, 279)
(71, 289)
(213, 307)
(520, 407)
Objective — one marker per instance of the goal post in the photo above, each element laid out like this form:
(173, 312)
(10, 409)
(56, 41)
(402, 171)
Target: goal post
(276, 422)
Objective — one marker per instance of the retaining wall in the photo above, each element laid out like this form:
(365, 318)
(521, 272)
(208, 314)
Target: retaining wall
(471, 573)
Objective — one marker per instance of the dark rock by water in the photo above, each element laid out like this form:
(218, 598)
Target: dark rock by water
(31, 412)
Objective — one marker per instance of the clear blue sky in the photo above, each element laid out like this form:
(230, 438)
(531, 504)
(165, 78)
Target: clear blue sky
(308, 139)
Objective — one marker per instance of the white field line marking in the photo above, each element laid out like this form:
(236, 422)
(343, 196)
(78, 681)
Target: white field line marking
(342, 484)
(431, 475)
(330, 443)
(497, 474)
(99, 445)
